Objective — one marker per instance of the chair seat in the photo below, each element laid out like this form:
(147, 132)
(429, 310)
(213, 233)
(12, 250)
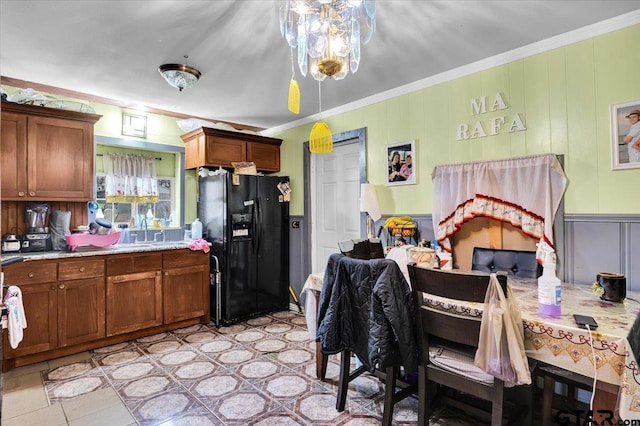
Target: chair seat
(458, 359)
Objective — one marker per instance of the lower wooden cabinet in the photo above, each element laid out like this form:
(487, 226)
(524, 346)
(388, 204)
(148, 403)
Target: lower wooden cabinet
(40, 303)
(183, 293)
(81, 311)
(134, 302)
(74, 304)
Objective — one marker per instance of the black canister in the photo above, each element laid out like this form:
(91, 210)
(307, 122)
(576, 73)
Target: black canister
(614, 285)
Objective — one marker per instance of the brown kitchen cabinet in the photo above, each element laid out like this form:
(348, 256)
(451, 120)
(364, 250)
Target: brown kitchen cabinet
(183, 294)
(47, 154)
(74, 304)
(63, 303)
(134, 292)
(81, 301)
(208, 147)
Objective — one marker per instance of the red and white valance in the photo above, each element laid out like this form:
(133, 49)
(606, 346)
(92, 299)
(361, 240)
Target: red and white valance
(524, 192)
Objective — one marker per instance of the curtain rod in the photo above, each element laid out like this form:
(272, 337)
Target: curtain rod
(156, 158)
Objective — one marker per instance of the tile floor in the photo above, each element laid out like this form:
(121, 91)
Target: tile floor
(259, 372)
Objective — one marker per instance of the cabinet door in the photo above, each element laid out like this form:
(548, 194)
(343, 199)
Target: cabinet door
(13, 156)
(185, 293)
(266, 157)
(40, 307)
(222, 151)
(134, 302)
(59, 159)
(81, 311)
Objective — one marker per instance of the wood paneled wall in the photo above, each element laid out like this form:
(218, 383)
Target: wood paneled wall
(12, 215)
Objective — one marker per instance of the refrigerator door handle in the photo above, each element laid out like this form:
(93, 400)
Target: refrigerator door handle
(259, 225)
(217, 276)
(254, 226)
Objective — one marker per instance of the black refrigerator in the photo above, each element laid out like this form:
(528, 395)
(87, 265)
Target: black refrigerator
(246, 219)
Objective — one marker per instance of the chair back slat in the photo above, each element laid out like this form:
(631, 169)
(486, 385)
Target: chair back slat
(463, 286)
(459, 330)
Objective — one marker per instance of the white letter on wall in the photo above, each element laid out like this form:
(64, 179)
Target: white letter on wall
(516, 124)
(479, 109)
(478, 131)
(498, 103)
(463, 132)
(496, 124)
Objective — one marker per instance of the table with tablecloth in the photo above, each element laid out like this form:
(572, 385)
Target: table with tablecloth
(560, 342)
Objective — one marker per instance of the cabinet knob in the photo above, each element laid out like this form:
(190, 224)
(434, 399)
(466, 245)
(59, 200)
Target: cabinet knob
(61, 286)
(21, 194)
(32, 194)
(82, 269)
(31, 275)
(166, 274)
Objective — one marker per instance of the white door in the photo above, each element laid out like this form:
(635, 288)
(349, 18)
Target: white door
(335, 201)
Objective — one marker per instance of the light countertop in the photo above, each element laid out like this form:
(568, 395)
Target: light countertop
(85, 251)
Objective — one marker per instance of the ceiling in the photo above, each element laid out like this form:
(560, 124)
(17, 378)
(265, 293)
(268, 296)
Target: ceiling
(112, 49)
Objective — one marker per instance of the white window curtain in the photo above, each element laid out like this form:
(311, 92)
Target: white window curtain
(524, 192)
(130, 178)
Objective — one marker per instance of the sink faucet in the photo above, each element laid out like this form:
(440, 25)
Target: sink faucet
(146, 228)
(155, 234)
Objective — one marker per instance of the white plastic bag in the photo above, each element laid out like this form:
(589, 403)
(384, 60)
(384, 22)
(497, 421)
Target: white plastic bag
(501, 343)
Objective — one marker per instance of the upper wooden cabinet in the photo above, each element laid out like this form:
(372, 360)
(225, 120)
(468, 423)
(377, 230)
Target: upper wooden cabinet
(209, 147)
(47, 154)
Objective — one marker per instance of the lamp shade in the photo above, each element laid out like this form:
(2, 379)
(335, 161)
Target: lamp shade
(369, 201)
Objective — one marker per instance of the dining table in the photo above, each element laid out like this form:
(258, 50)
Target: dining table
(608, 354)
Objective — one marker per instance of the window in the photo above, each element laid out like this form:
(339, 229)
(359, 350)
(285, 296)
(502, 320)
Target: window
(163, 210)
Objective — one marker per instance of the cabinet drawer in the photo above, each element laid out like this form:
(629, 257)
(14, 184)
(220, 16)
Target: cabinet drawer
(180, 258)
(31, 273)
(77, 269)
(132, 263)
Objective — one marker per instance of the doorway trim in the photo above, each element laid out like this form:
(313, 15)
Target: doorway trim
(359, 134)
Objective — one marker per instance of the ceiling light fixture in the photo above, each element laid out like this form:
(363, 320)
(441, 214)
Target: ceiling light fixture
(179, 76)
(327, 34)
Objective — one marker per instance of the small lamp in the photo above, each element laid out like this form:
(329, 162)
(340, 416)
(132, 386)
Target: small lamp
(369, 204)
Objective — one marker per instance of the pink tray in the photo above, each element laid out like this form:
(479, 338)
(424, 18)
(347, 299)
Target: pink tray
(95, 240)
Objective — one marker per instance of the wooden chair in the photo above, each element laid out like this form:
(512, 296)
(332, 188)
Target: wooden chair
(451, 360)
(389, 374)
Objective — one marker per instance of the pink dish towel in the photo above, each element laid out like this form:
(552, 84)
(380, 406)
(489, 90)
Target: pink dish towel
(199, 245)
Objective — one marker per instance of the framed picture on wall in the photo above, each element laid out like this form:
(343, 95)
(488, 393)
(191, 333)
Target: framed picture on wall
(401, 163)
(625, 135)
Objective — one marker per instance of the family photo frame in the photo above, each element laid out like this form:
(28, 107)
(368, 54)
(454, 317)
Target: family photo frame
(401, 163)
(625, 135)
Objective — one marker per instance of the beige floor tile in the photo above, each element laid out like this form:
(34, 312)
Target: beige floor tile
(49, 416)
(116, 415)
(23, 394)
(66, 360)
(91, 403)
(21, 371)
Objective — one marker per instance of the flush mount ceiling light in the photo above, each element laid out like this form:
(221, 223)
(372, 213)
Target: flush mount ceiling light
(327, 34)
(179, 76)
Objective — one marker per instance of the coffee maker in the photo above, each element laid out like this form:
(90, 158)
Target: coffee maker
(36, 238)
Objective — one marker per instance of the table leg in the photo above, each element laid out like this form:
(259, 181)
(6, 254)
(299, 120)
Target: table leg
(604, 403)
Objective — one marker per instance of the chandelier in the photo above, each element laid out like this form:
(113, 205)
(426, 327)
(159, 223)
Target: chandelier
(327, 34)
(179, 76)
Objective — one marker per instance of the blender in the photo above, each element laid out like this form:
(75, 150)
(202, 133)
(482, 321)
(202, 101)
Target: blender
(36, 238)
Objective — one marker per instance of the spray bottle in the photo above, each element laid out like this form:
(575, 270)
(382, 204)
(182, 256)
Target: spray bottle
(549, 286)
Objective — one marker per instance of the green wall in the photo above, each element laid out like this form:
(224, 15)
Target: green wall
(563, 96)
